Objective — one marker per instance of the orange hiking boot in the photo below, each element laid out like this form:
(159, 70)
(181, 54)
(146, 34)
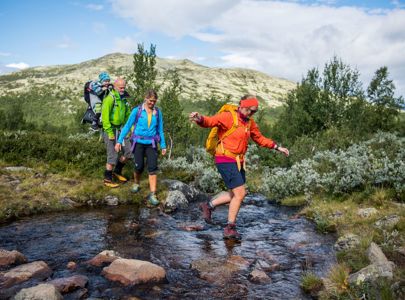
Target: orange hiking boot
(110, 184)
(120, 177)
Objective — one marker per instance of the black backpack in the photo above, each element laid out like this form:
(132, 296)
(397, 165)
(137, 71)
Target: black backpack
(86, 92)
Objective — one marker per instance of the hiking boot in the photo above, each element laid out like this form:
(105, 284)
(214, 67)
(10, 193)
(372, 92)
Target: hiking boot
(135, 188)
(152, 200)
(120, 177)
(230, 232)
(206, 212)
(110, 184)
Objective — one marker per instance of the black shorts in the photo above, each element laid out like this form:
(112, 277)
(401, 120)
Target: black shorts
(231, 175)
(151, 154)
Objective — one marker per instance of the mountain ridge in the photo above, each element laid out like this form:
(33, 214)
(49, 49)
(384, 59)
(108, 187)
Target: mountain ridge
(197, 80)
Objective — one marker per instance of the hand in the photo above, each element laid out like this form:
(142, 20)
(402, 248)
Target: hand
(284, 150)
(195, 116)
(104, 88)
(164, 152)
(117, 147)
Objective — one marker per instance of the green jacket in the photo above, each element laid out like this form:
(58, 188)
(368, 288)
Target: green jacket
(114, 113)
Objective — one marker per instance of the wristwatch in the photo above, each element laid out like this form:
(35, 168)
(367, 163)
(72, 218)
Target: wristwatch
(276, 147)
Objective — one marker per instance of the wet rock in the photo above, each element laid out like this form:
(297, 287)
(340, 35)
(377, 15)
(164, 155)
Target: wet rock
(387, 221)
(11, 257)
(191, 193)
(79, 294)
(106, 256)
(36, 269)
(216, 271)
(18, 169)
(133, 271)
(71, 265)
(366, 212)
(238, 261)
(264, 266)
(258, 276)
(346, 242)
(39, 292)
(380, 267)
(175, 200)
(68, 284)
(191, 227)
(111, 200)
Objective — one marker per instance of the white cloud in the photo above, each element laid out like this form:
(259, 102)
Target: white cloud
(282, 38)
(125, 45)
(5, 54)
(20, 65)
(96, 7)
(98, 27)
(173, 17)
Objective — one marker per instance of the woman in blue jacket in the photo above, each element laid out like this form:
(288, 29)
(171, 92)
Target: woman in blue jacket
(147, 120)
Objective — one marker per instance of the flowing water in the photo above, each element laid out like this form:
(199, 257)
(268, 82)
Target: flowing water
(289, 245)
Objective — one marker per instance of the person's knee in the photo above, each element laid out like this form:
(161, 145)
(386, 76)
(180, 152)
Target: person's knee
(239, 193)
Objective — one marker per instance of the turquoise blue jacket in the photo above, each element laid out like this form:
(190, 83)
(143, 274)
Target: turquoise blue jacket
(142, 128)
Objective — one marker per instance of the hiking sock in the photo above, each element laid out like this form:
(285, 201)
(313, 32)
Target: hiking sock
(118, 167)
(108, 175)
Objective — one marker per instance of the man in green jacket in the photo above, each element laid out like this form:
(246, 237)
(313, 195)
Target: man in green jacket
(114, 114)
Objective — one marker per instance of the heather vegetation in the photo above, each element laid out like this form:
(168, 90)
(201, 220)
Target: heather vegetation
(346, 144)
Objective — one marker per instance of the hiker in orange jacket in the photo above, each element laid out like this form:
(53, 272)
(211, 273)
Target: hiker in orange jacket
(229, 156)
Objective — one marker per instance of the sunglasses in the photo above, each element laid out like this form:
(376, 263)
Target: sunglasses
(251, 111)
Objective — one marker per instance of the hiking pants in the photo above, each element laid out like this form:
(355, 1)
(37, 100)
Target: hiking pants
(112, 156)
(142, 150)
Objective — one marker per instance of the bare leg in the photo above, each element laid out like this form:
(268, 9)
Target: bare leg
(239, 194)
(152, 183)
(222, 198)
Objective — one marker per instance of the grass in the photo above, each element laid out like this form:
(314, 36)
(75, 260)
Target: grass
(24, 193)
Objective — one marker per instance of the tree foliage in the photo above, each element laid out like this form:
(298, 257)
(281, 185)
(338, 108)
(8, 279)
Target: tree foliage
(144, 75)
(337, 100)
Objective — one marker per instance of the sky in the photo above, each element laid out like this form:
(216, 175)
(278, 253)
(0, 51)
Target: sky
(280, 38)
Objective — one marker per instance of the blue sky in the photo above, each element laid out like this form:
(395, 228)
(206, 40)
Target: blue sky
(280, 38)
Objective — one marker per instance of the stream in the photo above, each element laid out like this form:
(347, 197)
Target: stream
(271, 236)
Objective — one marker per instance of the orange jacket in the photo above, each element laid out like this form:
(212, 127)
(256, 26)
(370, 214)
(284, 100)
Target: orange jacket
(237, 141)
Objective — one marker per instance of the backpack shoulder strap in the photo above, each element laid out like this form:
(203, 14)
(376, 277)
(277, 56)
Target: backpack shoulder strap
(234, 124)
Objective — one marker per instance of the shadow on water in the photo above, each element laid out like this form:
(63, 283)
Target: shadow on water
(271, 237)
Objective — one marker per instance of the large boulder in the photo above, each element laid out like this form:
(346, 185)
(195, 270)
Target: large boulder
(36, 269)
(191, 193)
(39, 292)
(175, 200)
(133, 271)
(11, 257)
(380, 267)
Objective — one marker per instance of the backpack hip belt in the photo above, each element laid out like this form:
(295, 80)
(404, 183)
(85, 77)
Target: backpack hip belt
(239, 157)
(155, 139)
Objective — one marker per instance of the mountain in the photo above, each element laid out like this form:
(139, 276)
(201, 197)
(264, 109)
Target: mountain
(198, 81)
